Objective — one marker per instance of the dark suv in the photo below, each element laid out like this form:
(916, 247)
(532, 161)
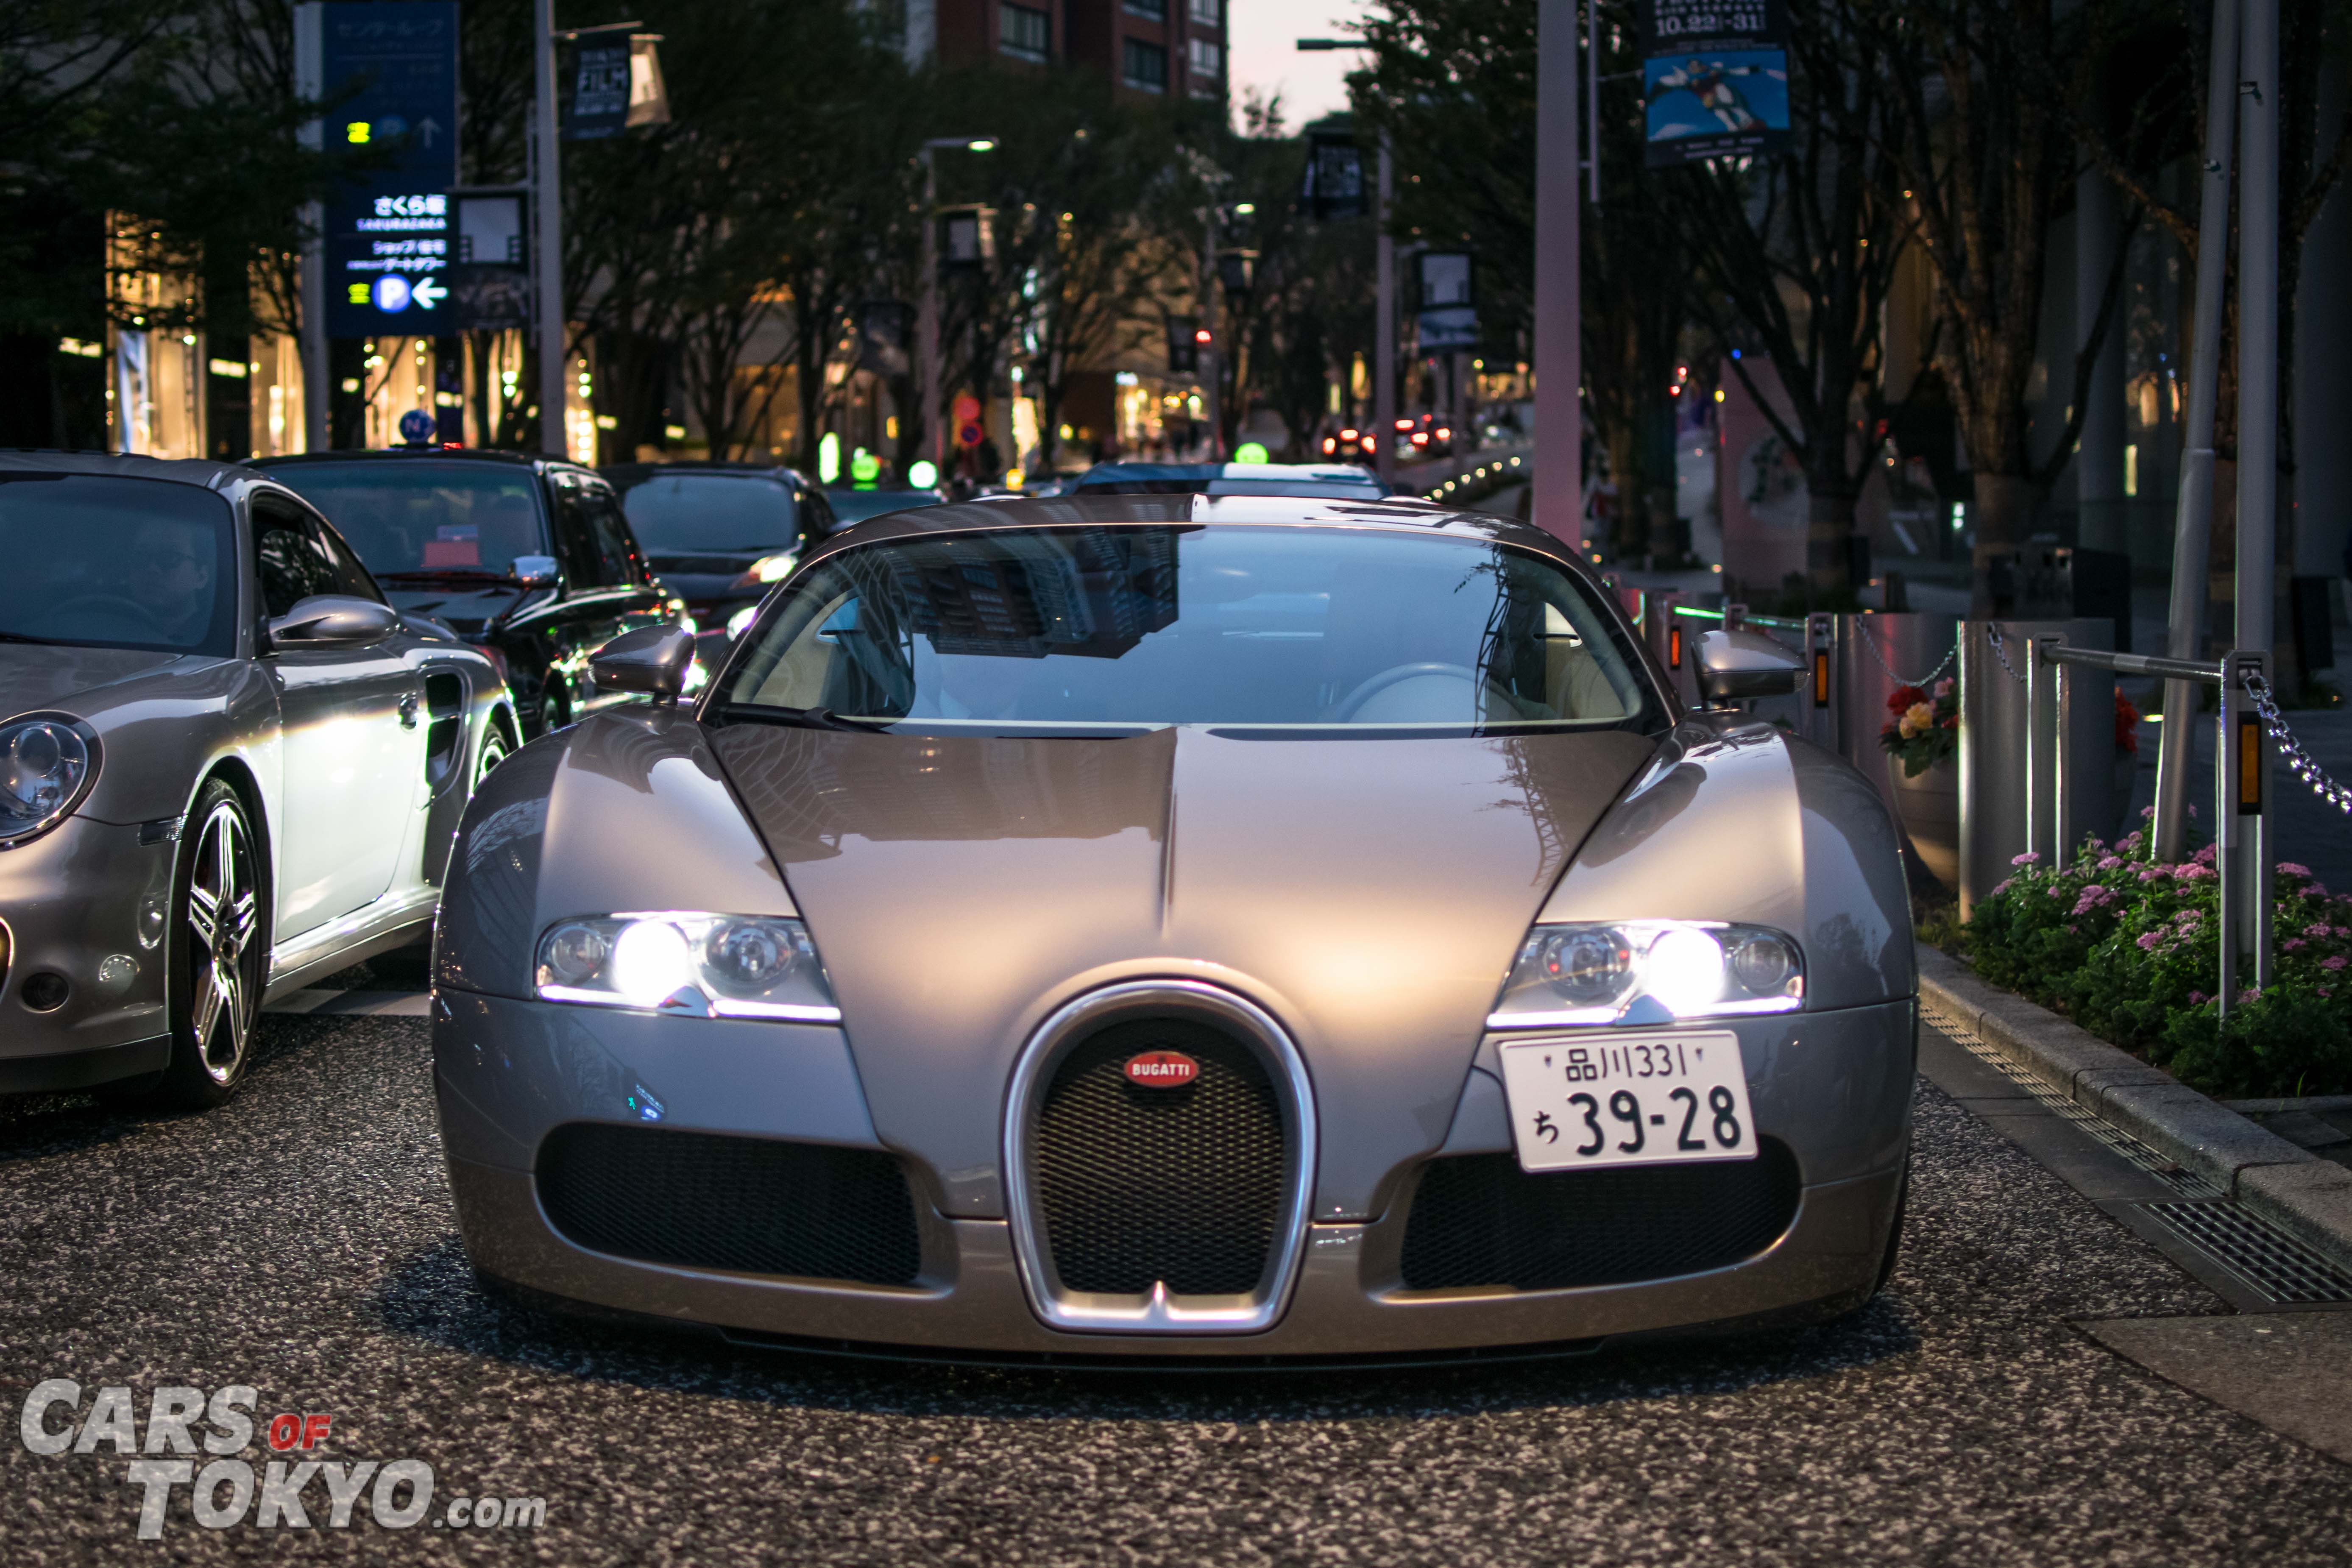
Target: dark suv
(528, 558)
(718, 533)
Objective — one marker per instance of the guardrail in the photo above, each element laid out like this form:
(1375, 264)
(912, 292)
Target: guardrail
(2052, 732)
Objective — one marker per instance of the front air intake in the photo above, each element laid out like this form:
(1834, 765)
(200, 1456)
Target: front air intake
(744, 1206)
(1479, 1220)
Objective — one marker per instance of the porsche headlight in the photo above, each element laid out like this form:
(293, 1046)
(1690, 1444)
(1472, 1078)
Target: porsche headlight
(672, 961)
(46, 768)
(1638, 971)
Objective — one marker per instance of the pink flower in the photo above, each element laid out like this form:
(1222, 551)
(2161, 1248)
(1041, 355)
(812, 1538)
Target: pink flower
(2332, 965)
(2030, 857)
(2251, 993)
(2319, 928)
(2000, 887)
(2292, 945)
(2057, 892)
(2203, 857)
(2147, 943)
(2321, 989)
(2197, 998)
(2111, 862)
(1944, 688)
(2151, 873)
(2147, 812)
(2198, 873)
(2289, 868)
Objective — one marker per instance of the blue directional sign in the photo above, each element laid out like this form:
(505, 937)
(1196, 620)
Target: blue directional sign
(390, 72)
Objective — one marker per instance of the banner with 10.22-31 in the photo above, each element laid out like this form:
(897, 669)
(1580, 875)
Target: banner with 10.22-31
(1715, 79)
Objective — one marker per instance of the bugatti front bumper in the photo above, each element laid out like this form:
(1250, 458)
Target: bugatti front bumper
(530, 1091)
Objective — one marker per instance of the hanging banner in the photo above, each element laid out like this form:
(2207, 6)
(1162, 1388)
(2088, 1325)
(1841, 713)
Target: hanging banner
(616, 86)
(1332, 186)
(1715, 79)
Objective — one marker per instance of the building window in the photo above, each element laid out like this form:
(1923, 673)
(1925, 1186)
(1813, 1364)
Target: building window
(1155, 9)
(1024, 34)
(1208, 62)
(1209, 13)
(1146, 66)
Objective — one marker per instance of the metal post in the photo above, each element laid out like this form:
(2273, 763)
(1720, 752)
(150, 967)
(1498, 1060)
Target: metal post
(547, 189)
(2248, 810)
(1212, 318)
(2044, 738)
(1558, 478)
(2064, 829)
(2257, 264)
(2194, 517)
(1821, 682)
(1384, 329)
(309, 83)
(926, 327)
(2227, 837)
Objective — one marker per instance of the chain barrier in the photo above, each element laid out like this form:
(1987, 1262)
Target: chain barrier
(1861, 624)
(1992, 635)
(2297, 760)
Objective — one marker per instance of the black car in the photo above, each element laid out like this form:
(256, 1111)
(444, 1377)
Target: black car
(528, 558)
(718, 534)
(855, 503)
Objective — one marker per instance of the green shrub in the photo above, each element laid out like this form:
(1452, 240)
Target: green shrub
(2126, 948)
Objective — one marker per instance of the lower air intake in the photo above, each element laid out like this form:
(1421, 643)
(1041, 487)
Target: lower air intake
(1479, 1220)
(747, 1206)
(1137, 1185)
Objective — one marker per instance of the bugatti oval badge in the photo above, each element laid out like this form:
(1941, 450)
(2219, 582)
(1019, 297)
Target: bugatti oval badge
(1162, 1070)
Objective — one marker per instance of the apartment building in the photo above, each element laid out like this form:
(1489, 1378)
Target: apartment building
(1155, 47)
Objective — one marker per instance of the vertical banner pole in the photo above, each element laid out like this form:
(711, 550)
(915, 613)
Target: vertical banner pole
(1558, 479)
(548, 187)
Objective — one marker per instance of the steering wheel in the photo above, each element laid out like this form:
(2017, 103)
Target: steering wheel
(1398, 674)
(105, 604)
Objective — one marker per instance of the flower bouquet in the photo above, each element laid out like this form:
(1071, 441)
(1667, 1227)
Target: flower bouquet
(1925, 727)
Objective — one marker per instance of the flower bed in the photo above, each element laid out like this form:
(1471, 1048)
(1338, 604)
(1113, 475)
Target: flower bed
(2125, 947)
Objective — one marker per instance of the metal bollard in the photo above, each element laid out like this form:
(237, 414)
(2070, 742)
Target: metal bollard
(2241, 848)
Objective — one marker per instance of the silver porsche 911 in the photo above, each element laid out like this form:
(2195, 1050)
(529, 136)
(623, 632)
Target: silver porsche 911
(227, 767)
(1181, 927)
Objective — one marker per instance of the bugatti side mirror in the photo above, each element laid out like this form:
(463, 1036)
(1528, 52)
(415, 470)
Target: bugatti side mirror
(1736, 665)
(333, 620)
(535, 571)
(652, 662)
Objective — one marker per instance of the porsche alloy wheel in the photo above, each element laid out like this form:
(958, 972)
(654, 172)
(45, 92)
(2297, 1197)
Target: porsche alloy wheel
(217, 990)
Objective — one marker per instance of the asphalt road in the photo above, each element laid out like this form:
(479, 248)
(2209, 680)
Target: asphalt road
(301, 1242)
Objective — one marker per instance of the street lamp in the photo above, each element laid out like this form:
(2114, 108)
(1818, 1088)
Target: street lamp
(927, 390)
(1385, 324)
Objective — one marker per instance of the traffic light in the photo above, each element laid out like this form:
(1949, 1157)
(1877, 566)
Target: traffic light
(1185, 336)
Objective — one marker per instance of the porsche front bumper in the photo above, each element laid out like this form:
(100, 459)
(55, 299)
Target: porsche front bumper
(85, 903)
(1835, 1087)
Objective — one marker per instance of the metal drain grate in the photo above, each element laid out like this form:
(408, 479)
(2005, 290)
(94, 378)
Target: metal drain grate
(2276, 1267)
(2187, 1182)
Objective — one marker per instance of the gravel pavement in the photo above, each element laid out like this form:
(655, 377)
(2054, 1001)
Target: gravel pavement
(301, 1242)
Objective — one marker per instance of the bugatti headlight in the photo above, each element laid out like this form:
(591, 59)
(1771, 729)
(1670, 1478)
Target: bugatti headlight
(47, 764)
(672, 961)
(1648, 972)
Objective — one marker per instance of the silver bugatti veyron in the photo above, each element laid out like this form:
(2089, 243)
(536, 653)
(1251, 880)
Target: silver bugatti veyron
(1181, 926)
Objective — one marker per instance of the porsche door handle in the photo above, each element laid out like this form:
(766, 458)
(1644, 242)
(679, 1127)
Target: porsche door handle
(408, 703)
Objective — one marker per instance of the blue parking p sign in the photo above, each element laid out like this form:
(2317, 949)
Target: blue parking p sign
(390, 70)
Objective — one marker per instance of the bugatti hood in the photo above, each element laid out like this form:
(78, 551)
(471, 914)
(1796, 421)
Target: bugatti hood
(1367, 893)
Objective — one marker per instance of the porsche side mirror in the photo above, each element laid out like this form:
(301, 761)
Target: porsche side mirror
(651, 661)
(333, 620)
(1736, 665)
(535, 571)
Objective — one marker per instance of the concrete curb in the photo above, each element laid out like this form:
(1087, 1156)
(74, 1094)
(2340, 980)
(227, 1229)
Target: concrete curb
(2301, 1194)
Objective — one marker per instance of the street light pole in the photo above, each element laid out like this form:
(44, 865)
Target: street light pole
(1558, 479)
(926, 326)
(2194, 517)
(548, 190)
(2258, 416)
(1214, 319)
(1384, 328)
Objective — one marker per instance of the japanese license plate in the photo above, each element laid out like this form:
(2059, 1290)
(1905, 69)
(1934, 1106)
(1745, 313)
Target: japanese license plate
(1628, 1099)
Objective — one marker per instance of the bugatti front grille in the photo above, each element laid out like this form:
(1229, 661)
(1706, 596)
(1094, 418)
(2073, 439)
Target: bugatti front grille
(750, 1205)
(1478, 1220)
(1137, 1185)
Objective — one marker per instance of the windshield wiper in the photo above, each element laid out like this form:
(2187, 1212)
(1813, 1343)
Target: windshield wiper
(805, 718)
